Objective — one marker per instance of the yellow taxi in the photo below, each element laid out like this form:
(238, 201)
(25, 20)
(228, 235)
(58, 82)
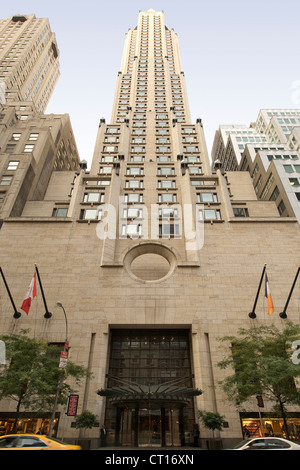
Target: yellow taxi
(33, 442)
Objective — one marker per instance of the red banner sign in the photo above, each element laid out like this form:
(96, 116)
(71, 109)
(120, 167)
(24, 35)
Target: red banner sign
(72, 405)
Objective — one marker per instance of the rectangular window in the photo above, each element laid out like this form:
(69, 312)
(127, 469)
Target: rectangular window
(132, 213)
(195, 170)
(110, 148)
(294, 181)
(60, 212)
(105, 170)
(15, 136)
(135, 171)
(10, 148)
(207, 197)
(240, 212)
(132, 230)
(166, 184)
(167, 198)
(166, 171)
(134, 184)
(33, 136)
(168, 213)
(28, 148)
(169, 230)
(6, 180)
(90, 214)
(281, 207)
(288, 168)
(12, 166)
(93, 197)
(209, 214)
(133, 197)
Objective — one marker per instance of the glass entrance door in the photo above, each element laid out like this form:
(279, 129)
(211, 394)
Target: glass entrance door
(149, 428)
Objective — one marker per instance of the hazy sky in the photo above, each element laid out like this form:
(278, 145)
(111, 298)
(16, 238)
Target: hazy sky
(238, 57)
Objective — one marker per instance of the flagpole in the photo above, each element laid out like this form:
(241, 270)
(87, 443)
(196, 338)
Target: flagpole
(16, 314)
(283, 313)
(252, 314)
(47, 314)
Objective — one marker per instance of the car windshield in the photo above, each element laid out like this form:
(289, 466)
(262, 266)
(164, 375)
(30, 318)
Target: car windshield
(242, 443)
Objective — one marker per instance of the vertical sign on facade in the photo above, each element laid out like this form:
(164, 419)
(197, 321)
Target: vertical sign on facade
(72, 405)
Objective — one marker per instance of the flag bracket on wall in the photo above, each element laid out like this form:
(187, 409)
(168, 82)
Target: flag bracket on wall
(283, 313)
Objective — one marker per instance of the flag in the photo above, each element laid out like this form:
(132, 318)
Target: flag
(268, 296)
(30, 294)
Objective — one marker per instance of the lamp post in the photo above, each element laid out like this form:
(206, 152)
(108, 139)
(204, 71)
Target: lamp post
(61, 365)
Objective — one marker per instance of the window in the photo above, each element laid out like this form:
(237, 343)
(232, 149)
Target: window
(207, 197)
(28, 148)
(132, 213)
(169, 230)
(288, 168)
(13, 165)
(166, 171)
(132, 230)
(93, 197)
(166, 184)
(294, 181)
(281, 207)
(240, 212)
(209, 214)
(110, 148)
(195, 170)
(33, 136)
(30, 442)
(167, 213)
(15, 136)
(167, 198)
(90, 214)
(274, 194)
(6, 180)
(10, 148)
(60, 212)
(134, 184)
(105, 170)
(133, 197)
(135, 170)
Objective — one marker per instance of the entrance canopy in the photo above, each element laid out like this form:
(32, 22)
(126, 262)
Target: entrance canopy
(169, 393)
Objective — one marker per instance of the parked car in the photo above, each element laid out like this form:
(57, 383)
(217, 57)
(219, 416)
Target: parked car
(33, 442)
(267, 443)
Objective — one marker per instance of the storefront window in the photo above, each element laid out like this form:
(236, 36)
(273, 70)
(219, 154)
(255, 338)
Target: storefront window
(27, 423)
(271, 427)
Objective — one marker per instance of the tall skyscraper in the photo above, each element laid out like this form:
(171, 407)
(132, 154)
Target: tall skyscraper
(154, 256)
(29, 59)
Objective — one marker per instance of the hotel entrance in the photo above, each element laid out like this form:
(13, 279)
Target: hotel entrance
(151, 428)
(149, 389)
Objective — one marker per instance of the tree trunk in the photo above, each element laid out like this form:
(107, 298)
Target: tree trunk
(14, 429)
(285, 424)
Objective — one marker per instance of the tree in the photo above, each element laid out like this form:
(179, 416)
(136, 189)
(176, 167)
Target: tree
(86, 420)
(211, 420)
(31, 374)
(261, 364)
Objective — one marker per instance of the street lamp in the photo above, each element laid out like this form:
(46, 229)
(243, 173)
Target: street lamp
(59, 304)
(61, 365)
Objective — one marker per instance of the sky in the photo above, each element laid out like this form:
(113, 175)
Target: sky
(238, 57)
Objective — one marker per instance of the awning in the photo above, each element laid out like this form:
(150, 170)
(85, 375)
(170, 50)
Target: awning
(170, 393)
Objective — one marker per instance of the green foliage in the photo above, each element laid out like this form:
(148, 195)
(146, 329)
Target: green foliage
(31, 374)
(211, 420)
(86, 420)
(260, 363)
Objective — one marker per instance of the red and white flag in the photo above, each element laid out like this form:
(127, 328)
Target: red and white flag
(268, 296)
(30, 294)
